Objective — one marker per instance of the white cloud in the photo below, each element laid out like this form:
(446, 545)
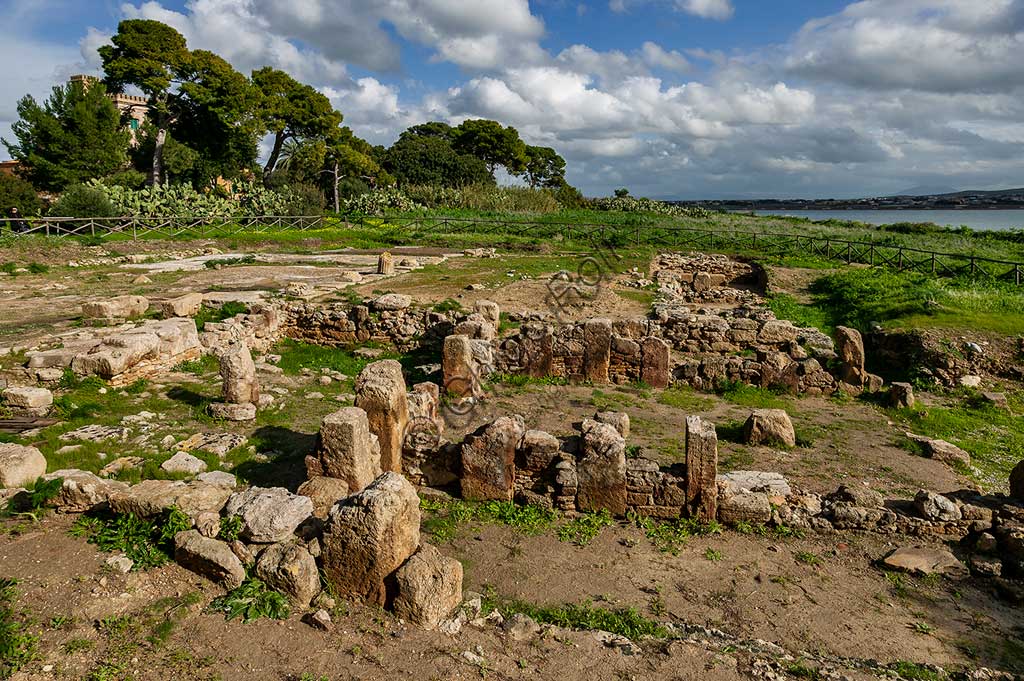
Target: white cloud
(658, 57)
(934, 45)
(706, 9)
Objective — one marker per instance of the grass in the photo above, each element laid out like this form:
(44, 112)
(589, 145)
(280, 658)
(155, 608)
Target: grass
(17, 647)
(522, 380)
(911, 671)
(786, 306)
(670, 536)
(584, 529)
(219, 314)
(994, 438)
(296, 356)
(684, 398)
(751, 396)
(807, 558)
(582, 617)
(447, 516)
(251, 601)
(206, 364)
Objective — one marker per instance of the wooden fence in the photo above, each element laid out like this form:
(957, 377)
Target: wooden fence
(164, 227)
(607, 236)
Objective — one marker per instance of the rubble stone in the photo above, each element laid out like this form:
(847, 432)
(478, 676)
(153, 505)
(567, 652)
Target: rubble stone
(428, 587)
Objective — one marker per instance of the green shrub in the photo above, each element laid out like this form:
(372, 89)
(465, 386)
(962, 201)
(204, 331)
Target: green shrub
(17, 646)
(83, 201)
(252, 601)
(18, 193)
(148, 543)
(304, 199)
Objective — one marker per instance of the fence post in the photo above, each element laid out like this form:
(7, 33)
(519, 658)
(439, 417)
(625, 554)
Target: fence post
(1017, 273)
(638, 235)
(933, 262)
(871, 255)
(899, 266)
(973, 265)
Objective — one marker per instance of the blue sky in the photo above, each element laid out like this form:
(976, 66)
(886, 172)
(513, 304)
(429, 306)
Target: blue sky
(671, 98)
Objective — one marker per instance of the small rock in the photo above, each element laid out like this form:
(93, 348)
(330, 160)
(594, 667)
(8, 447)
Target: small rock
(183, 462)
(521, 627)
(932, 506)
(120, 563)
(970, 381)
(321, 619)
(922, 560)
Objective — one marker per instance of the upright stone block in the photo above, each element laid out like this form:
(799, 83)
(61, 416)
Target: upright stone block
(238, 373)
(654, 358)
(701, 469)
(458, 365)
(602, 469)
(597, 349)
(348, 450)
(488, 460)
(386, 263)
(381, 393)
(489, 310)
(370, 535)
(850, 348)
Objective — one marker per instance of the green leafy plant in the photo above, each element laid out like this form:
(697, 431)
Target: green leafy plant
(32, 504)
(807, 558)
(230, 527)
(17, 646)
(583, 617)
(147, 543)
(582, 530)
(252, 601)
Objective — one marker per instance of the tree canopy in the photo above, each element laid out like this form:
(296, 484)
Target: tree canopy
(74, 136)
(492, 143)
(544, 167)
(420, 159)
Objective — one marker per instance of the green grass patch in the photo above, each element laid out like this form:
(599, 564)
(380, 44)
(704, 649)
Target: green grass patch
(786, 306)
(911, 671)
(226, 262)
(645, 298)
(584, 529)
(445, 517)
(17, 646)
(219, 314)
(584, 616)
(296, 356)
(206, 364)
(994, 438)
(523, 380)
(671, 535)
(737, 392)
(685, 398)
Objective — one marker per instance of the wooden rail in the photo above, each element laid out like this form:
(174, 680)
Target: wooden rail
(138, 227)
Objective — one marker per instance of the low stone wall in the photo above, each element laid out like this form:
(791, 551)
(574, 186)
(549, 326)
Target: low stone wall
(405, 328)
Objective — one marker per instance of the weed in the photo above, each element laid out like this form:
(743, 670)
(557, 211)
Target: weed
(225, 311)
(217, 263)
(745, 395)
(17, 646)
(60, 621)
(204, 365)
(31, 505)
(802, 671)
(911, 671)
(922, 628)
(448, 515)
(251, 601)
(582, 617)
(76, 645)
(807, 558)
(685, 398)
(670, 536)
(582, 530)
(713, 555)
(230, 527)
(898, 583)
(448, 305)
(146, 543)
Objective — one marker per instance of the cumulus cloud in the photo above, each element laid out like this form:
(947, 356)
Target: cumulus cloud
(934, 45)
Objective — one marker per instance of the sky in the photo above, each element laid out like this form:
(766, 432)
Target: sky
(681, 99)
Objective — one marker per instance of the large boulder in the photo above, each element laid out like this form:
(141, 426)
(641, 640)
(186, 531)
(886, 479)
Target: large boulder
(238, 373)
(1017, 481)
(488, 460)
(701, 469)
(769, 426)
(932, 506)
(290, 569)
(187, 305)
(923, 560)
(428, 587)
(369, 535)
(269, 515)
(324, 492)
(749, 507)
(901, 395)
(391, 302)
(458, 364)
(210, 558)
(82, 491)
(943, 451)
(152, 497)
(120, 307)
(348, 450)
(601, 470)
(158, 343)
(20, 466)
(30, 399)
(597, 349)
(381, 393)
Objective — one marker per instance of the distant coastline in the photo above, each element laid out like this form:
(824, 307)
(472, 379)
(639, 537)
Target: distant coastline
(1006, 199)
(977, 219)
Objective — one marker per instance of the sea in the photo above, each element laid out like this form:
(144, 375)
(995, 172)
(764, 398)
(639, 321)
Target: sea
(998, 220)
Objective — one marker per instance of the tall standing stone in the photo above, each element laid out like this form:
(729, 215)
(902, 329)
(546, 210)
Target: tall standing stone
(597, 349)
(1017, 482)
(238, 372)
(386, 263)
(488, 460)
(602, 470)
(381, 393)
(850, 348)
(701, 469)
(457, 363)
(654, 362)
(370, 535)
(348, 450)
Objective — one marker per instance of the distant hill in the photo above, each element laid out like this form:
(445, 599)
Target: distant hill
(926, 190)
